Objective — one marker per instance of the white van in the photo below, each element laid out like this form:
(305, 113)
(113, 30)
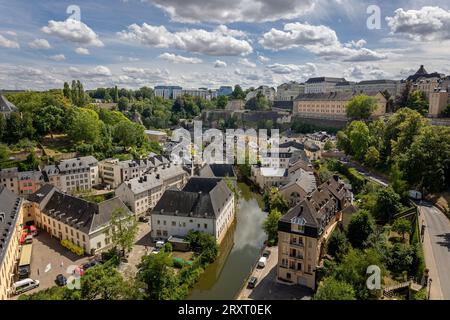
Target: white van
(159, 244)
(262, 262)
(25, 285)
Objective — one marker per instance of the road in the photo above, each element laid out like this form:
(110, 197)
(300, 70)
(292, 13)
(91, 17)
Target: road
(437, 250)
(381, 181)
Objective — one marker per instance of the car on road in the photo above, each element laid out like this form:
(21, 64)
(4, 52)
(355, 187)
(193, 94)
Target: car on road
(266, 254)
(262, 262)
(25, 285)
(90, 264)
(252, 282)
(159, 244)
(61, 280)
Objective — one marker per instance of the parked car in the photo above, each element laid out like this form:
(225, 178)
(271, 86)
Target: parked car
(266, 254)
(25, 285)
(160, 244)
(61, 280)
(262, 262)
(143, 219)
(90, 264)
(252, 282)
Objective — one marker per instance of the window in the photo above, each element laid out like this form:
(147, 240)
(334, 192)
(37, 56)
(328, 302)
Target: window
(99, 245)
(174, 223)
(206, 225)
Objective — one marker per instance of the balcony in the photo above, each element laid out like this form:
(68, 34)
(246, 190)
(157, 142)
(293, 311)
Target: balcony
(297, 256)
(297, 244)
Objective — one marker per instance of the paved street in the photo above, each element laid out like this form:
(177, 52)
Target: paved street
(268, 288)
(437, 250)
(49, 259)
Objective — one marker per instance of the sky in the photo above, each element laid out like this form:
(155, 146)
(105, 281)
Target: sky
(198, 43)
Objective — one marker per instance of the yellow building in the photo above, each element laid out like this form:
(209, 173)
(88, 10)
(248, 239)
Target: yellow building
(304, 231)
(438, 101)
(332, 106)
(11, 225)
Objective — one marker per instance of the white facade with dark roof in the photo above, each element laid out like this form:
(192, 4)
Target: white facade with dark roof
(322, 84)
(205, 205)
(70, 218)
(11, 226)
(6, 107)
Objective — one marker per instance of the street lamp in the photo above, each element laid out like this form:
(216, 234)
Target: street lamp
(429, 288)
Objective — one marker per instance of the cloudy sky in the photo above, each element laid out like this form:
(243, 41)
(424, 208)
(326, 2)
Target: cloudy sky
(199, 43)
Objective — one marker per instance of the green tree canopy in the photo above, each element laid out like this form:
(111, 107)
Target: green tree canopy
(361, 107)
(332, 289)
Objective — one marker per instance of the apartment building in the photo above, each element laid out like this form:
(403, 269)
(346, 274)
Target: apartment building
(332, 105)
(9, 178)
(438, 101)
(113, 172)
(11, 225)
(165, 92)
(202, 93)
(204, 204)
(289, 91)
(66, 217)
(322, 84)
(142, 193)
(304, 231)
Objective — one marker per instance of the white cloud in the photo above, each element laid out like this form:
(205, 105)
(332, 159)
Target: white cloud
(98, 71)
(245, 62)
(39, 44)
(320, 40)
(82, 51)
(263, 59)
(174, 58)
(10, 44)
(23, 77)
(426, 24)
(73, 31)
(365, 72)
(57, 57)
(219, 11)
(213, 43)
(220, 64)
(278, 68)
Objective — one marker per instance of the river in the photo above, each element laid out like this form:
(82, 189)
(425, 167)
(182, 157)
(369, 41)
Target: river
(239, 251)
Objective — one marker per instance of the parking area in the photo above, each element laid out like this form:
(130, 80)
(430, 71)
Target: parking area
(48, 259)
(268, 288)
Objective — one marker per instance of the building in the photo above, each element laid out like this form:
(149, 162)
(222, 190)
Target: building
(142, 193)
(301, 183)
(66, 217)
(322, 84)
(202, 93)
(423, 74)
(266, 91)
(156, 135)
(9, 178)
(225, 91)
(331, 106)
(204, 204)
(393, 87)
(113, 172)
(438, 101)
(166, 92)
(6, 107)
(289, 91)
(73, 174)
(304, 231)
(217, 170)
(30, 181)
(11, 225)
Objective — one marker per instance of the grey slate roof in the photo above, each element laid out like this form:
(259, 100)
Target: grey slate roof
(217, 171)
(325, 79)
(201, 197)
(9, 208)
(330, 96)
(75, 212)
(6, 106)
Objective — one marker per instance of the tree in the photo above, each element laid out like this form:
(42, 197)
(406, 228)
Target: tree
(4, 152)
(238, 93)
(332, 289)
(446, 112)
(274, 200)
(338, 244)
(84, 126)
(401, 258)
(50, 119)
(270, 226)
(402, 226)
(360, 227)
(66, 91)
(123, 229)
(157, 273)
(359, 139)
(30, 163)
(102, 282)
(361, 107)
(418, 101)
(129, 134)
(402, 100)
(372, 157)
(387, 204)
(204, 243)
(222, 102)
(123, 104)
(329, 145)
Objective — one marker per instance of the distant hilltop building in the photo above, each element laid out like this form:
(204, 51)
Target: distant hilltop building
(422, 73)
(6, 107)
(173, 92)
(225, 91)
(289, 91)
(322, 84)
(266, 91)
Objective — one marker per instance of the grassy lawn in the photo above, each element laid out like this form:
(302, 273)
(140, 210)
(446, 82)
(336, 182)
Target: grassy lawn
(58, 145)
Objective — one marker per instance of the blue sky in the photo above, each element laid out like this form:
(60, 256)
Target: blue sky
(197, 43)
